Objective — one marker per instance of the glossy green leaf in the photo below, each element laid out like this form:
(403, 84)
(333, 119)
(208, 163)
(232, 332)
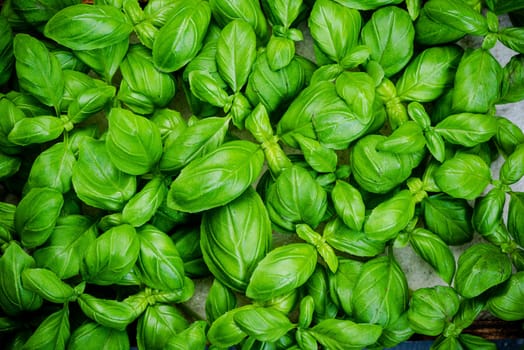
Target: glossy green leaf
(449, 218)
(367, 4)
(463, 176)
(159, 263)
(40, 129)
(133, 142)
(144, 204)
(224, 332)
(282, 270)
(109, 313)
(345, 239)
(430, 32)
(180, 39)
(236, 52)
(53, 168)
(479, 268)
(198, 139)
(219, 300)
(512, 89)
(9, 165)
(380, 294)
(515, 219)
(157, 325)
(52, 333)
(467, 129)
(6, 50)
(105, 60)
(508, 135)
(64, 250)
(334, 28)
(219, 176)
(12, 114)
(345, 334)
(390, 35)
(87, 27)
(264, 324)
(349, 205)
(14, 298)
(470, 342)
(97, 181)
(90, 102)
(429, 74)
(357, 89)
(487, 212)
(94, 336)
(48, 285)
(407, 138)
(432, 249)
(36, 215)
(280, 52)
(458, 15)
(295, 198)
(191, 338)
(507, 300)
(512, 170)
(111, 255)
(234, 238)
(431, 308)
(38, 71)
(477, 82)
(225, 11)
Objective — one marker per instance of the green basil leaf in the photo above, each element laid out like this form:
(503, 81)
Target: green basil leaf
(469, 311)
(39, 129)
(105, 60)
(477, 82)
(143, 79)
(350, 241)
(180, 39)
(367, 4)
(463, 176)
(52, 333)
(191, 338)
(224, 332)
(515, 219)
(334, 28)
(380, 294)
(264, 324)
(357, 89)
(282, 270)
(288, 203)
(467, 129)
(169, 122)
(234, 238)
(430, 309)
(111, 255)
(109, 313)
(275, 89)
(9, 166)
(487, 212)
(407, 138)
(479, 268)
(429, 74)
(390, 35)
(458, 15)
(306, 309)
(376, 171)
(396, 333)
(36, 215)
(349, 205)
(144, 204)
(38, 71)
(11, 115)
(512, 89)
(432, 249)
(195, 141)
(87, 27)
(157, 325)
(342, 282)
(470, 342)
(48, 285)
(508, 135)
(14, 298)
(319, 157)
(46, 173)
(37, 12)
(248, 11)
(345, 334)
(236, 52)
(512, 170)
(449, 218)
(133, 142)
(391, 216)
(159, 263)
(220, 299)
(93, 336)
(97, 181)
(507, 300)
(187, 242)
(219, 176)
(317, 287)
(280, 52)
(64, 250)
(89, 102)
(431, 32)
(207, 88)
